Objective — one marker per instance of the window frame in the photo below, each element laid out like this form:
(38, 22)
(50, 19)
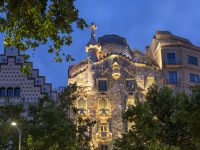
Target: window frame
(10, 88)
(98, 82)
(132, 88)
(102, 98)
(171, 60)
(17, 88)
(3, 95)
(196, 78)
(190, 60)
(172, 80)
(81, 98)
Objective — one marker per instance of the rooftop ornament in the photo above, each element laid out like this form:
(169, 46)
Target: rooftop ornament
(93, 43)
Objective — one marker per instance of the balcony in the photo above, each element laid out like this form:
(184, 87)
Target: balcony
(104, 137)
(103, 114)
(173, 83)
(172, 62)
(84, 113)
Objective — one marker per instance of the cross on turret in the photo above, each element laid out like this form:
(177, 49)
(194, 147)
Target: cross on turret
(93, 27)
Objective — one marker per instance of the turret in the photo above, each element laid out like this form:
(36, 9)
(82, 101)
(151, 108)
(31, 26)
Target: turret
(93, 46)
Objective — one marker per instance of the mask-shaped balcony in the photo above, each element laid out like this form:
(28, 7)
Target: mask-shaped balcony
(104, 137)
(84, 113)
(103, 114)
(116, 71)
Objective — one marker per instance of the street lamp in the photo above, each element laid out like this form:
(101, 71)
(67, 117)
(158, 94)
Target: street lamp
(20, 133)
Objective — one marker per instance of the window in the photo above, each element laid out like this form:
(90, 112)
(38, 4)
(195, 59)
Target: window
(173, 77)
(82, 104)
(130, 102)
(102, 103)
(10, 91)
(130, 85)
(17, 92)
(194, 78)
(103, 147)
(102, 85)
(2, 91)
(171, 58)
(192, 60)
(104, 127)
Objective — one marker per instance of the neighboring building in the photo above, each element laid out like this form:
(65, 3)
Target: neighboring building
(178, 59)
(110, 80)
(16, 87)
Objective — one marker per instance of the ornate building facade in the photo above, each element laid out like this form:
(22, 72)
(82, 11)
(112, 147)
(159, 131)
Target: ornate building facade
(110, 79)
(16, 87)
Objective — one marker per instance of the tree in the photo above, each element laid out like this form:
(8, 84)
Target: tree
(194, 116)
(9, 113)
(163, 121)
(29, 23)
(52, 126)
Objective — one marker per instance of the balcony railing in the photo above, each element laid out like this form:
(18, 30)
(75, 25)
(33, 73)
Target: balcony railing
(175, 82)
(104, 136)
(103, 114)
(172, 62)
(83, 112)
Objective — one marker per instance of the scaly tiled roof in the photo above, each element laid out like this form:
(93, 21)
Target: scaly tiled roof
(114, 44)
(77, 68)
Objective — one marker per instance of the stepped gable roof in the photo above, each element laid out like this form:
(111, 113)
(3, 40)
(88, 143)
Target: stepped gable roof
(77, 68)
(114, 44)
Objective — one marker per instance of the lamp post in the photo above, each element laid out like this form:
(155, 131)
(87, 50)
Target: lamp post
(20, 133)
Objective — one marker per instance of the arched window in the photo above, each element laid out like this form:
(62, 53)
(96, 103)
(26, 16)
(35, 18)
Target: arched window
(103, 103)
(3, 91)
(17, 92)
(82, 104)
(9, 91)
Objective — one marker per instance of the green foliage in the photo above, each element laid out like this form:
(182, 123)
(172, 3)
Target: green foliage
(30, 142)
(29, 23)
(164, 121)
(55, 125)
(8, 114)
(26, 69)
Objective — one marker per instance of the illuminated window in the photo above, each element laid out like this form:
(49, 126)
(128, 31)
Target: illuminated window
(103, 103)
(104, 127)
(130, 102)
(82, 104)
(102, 85)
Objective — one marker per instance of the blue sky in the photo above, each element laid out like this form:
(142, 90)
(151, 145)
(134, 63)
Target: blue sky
(136, 20)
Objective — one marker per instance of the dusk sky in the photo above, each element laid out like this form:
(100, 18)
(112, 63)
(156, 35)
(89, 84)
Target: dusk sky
(136, 20)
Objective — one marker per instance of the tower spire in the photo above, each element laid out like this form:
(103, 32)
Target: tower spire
(93, 43)
(93, 40)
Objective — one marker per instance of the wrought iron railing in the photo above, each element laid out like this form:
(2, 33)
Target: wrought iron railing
(104, 136)
(172, 62)
(104, 113)
(176, 82)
